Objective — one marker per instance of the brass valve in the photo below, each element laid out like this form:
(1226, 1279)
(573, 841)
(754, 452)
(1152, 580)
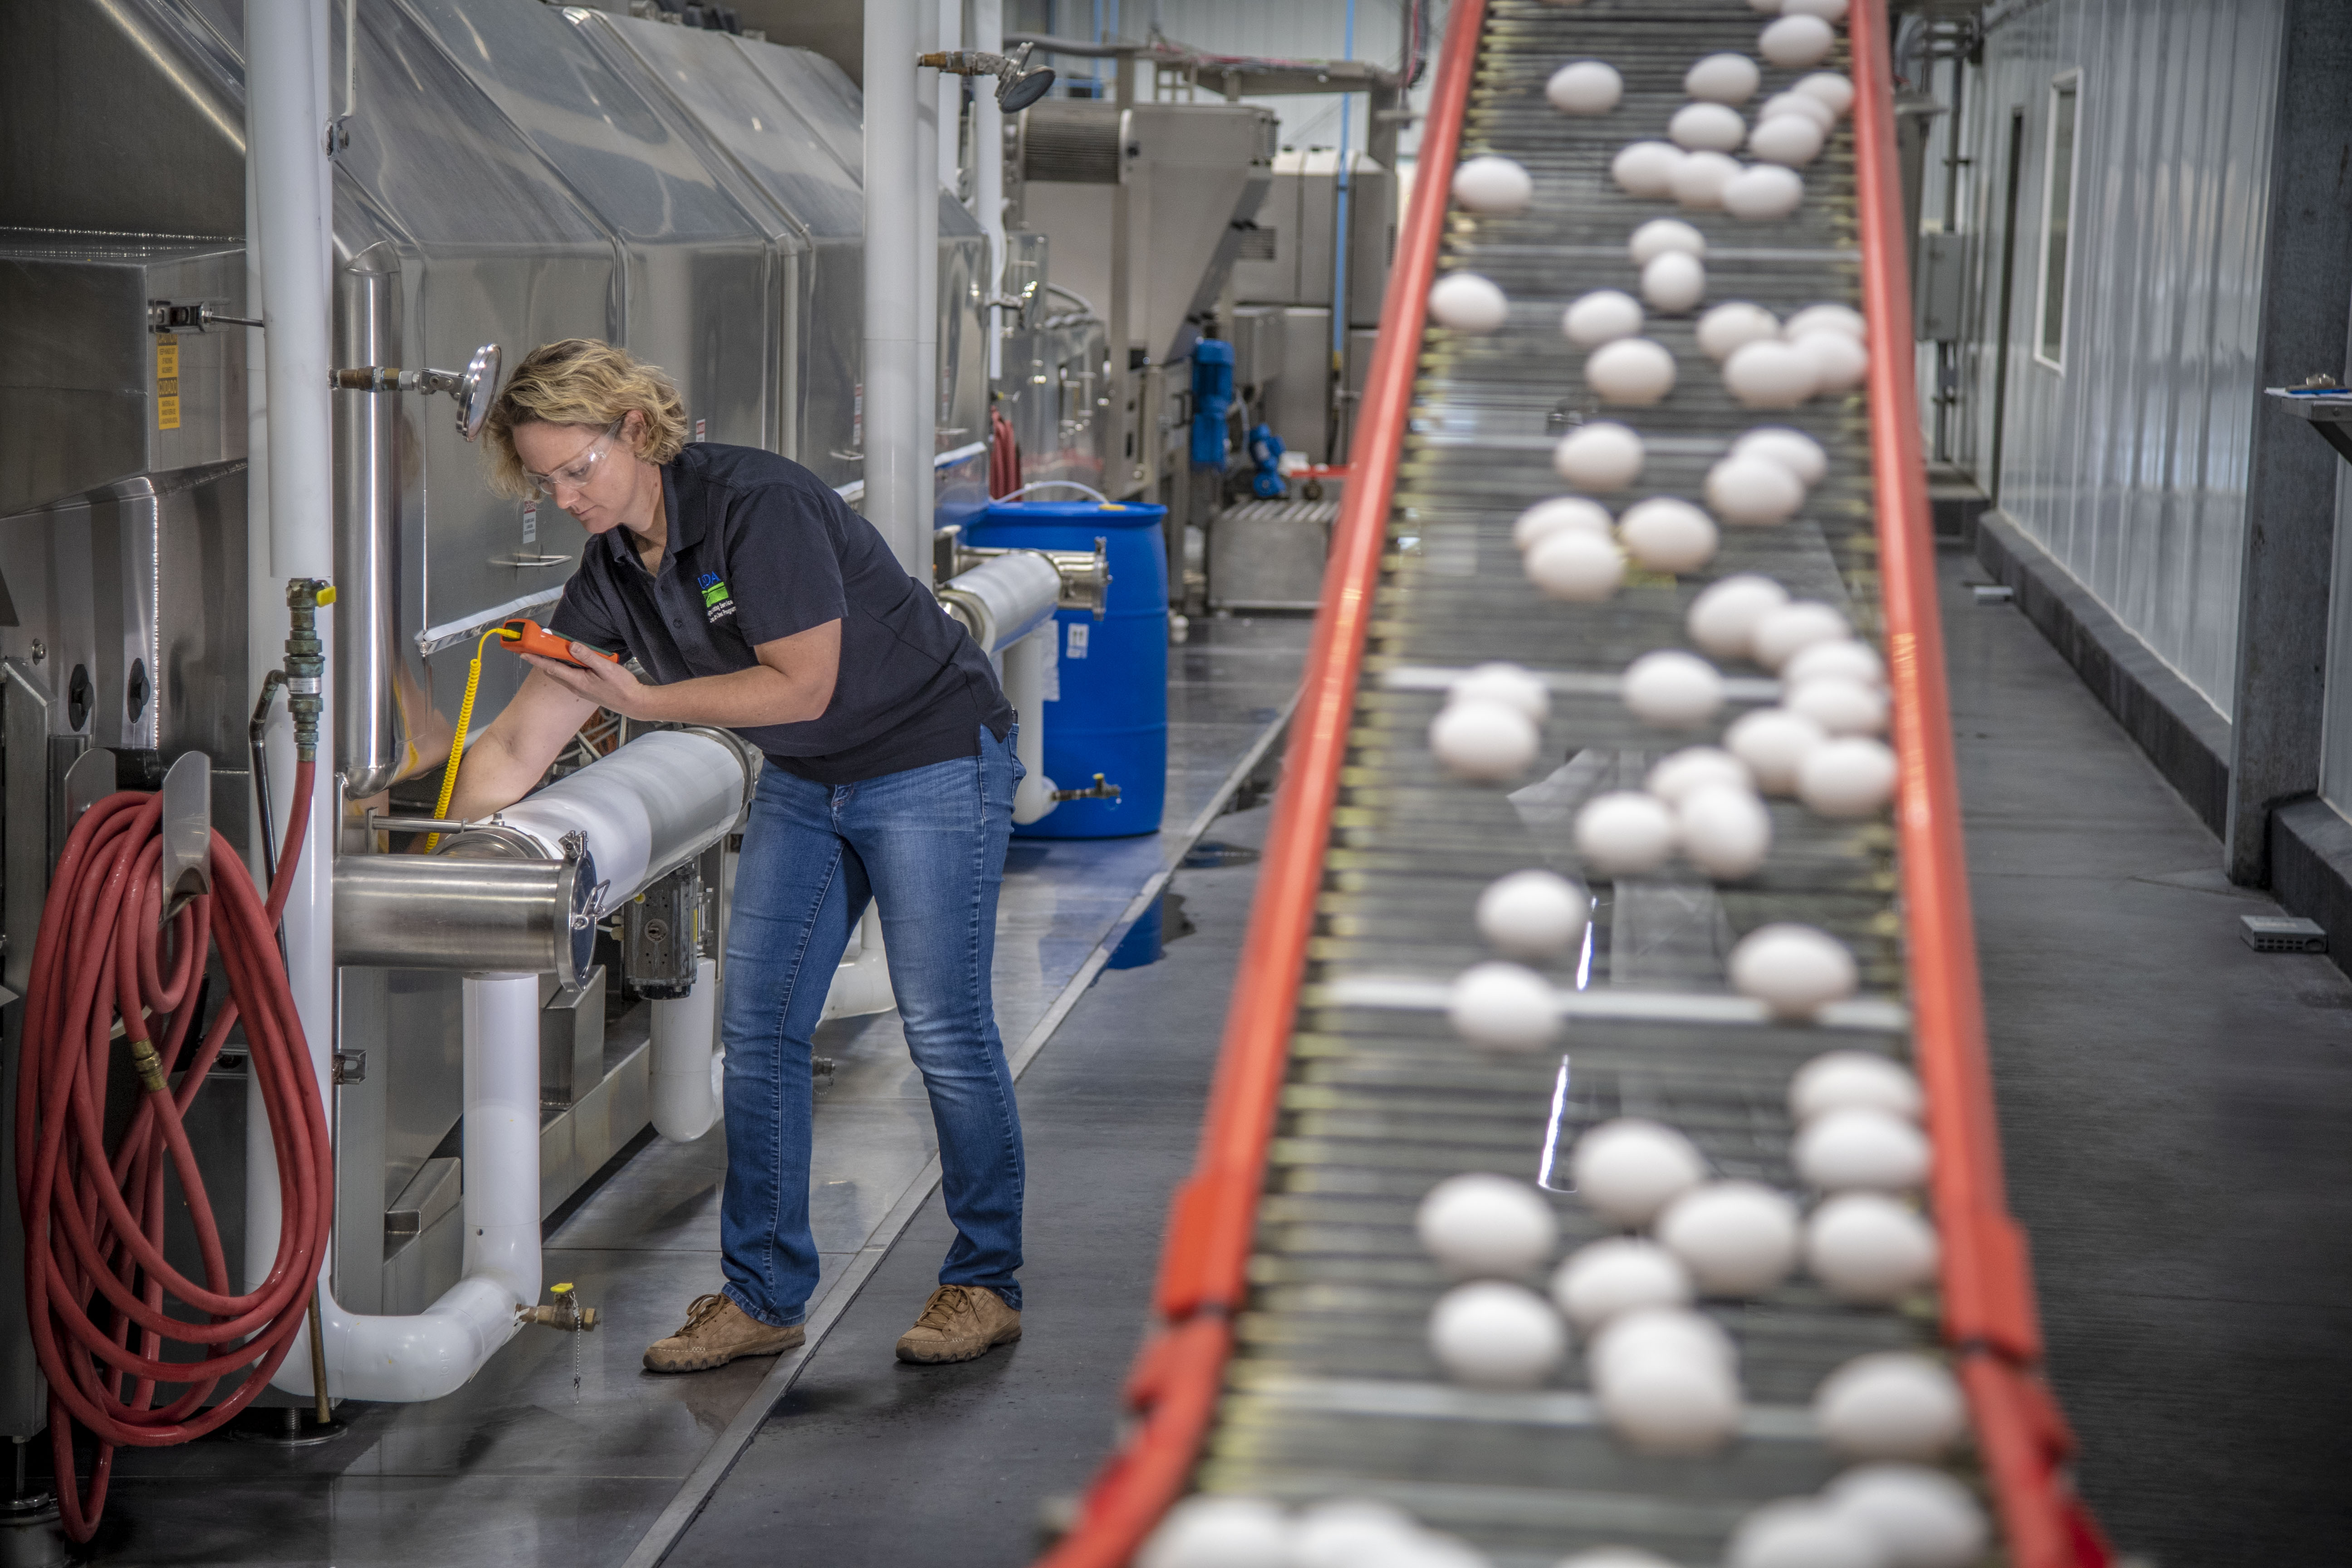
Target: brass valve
(564, 1312)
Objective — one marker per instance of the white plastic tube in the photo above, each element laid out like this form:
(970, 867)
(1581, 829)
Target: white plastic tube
(408, 1358)
(988, 170)
(895, 466)
(1024, 687)
(686, 1034)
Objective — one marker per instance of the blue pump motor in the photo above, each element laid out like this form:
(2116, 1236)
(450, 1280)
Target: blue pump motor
(1265, 451)
(1212, 401)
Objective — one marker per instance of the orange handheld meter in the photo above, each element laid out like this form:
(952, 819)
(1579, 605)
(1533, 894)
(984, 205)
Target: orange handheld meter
(529, 636)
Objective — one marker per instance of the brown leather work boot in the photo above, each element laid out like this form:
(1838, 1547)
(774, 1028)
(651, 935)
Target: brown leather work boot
(960, 1323)
(718, 1330)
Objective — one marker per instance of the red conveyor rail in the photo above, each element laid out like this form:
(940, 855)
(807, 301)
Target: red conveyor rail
(1990, 1317)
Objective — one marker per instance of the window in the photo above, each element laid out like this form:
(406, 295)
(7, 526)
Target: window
(2057, 221)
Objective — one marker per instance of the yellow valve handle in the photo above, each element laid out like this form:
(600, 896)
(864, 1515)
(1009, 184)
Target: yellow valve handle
(457, 742)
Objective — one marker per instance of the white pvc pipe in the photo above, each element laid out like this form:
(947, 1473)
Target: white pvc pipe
(951, 96)
(686, 1032)
(927, 283)
(286, 119)
(895, 467)
(1024, 687)
(403, 1359)
(988, 169)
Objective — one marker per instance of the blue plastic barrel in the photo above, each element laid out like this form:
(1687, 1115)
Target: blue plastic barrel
(1112, 717)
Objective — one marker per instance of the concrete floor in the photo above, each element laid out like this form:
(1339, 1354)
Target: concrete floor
(2174, 1109)
(563, 1450)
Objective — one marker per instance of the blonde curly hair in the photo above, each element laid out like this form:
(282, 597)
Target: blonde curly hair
(585, 382)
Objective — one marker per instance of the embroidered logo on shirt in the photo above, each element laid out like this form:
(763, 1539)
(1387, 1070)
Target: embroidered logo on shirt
(716, 605)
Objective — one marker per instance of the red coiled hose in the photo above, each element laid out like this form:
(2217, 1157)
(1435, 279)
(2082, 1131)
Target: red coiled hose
(95, 1272)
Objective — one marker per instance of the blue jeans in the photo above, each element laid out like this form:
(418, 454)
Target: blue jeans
(929, 844)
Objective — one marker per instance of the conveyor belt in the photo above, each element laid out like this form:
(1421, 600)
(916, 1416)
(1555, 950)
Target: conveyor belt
(1344, 1095)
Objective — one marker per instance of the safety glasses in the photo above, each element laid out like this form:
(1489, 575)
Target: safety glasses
(581, 469)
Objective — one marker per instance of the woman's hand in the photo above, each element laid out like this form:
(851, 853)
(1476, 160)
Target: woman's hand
(603, 681)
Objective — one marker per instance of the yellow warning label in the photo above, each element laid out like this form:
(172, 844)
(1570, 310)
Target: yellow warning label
(167, 384)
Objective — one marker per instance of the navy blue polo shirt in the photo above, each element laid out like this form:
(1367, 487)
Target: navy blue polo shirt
(760, 547)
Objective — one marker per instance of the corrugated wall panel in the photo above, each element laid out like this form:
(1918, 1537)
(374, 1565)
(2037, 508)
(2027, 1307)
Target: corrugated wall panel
(2129, 463)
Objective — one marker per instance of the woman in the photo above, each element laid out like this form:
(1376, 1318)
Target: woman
(753, 598)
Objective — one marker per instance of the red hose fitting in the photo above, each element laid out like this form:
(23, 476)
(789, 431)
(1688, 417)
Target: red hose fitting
(95, 1273)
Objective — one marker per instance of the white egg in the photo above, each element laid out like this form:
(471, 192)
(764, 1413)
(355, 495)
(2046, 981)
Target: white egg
(1699, 179)
(1533, 913)
(1559, 514)
(1571, 564)
(1673, 689)
(1601, 316)
(1738, 1239)
(1619, 1274)
(1828, 88)
(1668, 535)
(1826, 317)
(1477, 1224)
(1794, 970)
(1468, 303)
(1631, 370)
(1503, 1006)
(1678, 774)
(1774, 743)
(1838, 705)
(1659, 236)
(1513, 684)
(1667, 1329)
(1762, 192)
(1796, 42)
(1613, 1557)
(1922, 1516)
(1646, 168)
(1848, 659)
(1722, 618)
(1707, 128)
(1724, 831)
(1345, 1532)
(1585, 86)
(1840, 361)
(1861, 1149)
(1792, 449)
(1854, 1080)
(1624, 833)
(1853, 776)
(1629, 1169)
(1753, 491)
(1807, 104)
(1211, 1531)
(1729, 327)
(1674, 283)
(1869, 1249)
(1790, 138)
(1722, 78)
(1893, 1405)
(1794, 626)
(1827, 10)
(1493, 184)
(1767, 375)
(1800, 1532)
(1601, 457)
(1484, 740)
(1663, 1406)
(1496, 1335)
